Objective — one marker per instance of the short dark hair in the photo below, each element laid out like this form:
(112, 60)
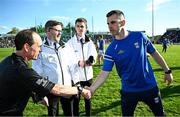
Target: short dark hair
(51, 23)
(24, 36)
(117, 12)
(81, 20)
(100, 36)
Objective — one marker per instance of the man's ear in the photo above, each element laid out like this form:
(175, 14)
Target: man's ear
(47, 30)
(26, 47)
(122, 23)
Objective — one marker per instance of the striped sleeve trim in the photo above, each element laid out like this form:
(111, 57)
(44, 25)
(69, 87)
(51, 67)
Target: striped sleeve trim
(108, 58)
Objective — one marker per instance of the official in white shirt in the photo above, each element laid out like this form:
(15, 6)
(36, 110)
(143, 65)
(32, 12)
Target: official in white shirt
(55, 63)
(86, 55)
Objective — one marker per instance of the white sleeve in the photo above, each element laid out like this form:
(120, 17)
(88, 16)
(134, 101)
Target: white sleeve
(37, 65)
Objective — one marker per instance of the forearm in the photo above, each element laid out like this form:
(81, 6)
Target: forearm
(99, 81)
(168, 75)
(61, 90)
(160, 60)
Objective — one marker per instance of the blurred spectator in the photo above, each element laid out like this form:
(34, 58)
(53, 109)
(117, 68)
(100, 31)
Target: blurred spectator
(165, 44)
(6, 42)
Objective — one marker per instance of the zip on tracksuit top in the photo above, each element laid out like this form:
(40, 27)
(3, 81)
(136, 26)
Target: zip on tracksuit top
(89, 49)
(56, 65)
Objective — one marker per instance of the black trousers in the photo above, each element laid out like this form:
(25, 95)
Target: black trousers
(67, 106)
(12, 113)
(53, 108)
(76, 100)
(150, 97)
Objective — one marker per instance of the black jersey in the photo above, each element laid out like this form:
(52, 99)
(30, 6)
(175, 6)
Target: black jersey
(17, 83)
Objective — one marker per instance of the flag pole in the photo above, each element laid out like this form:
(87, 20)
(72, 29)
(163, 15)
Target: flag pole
(152, 20)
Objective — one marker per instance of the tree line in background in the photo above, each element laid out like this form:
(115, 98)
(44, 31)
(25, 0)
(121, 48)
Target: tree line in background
(69, 31)
(41, 29)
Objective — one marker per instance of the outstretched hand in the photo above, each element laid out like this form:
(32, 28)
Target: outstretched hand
(90, 89)
(86, 93)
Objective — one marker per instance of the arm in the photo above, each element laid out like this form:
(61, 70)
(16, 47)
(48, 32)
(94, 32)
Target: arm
(61, 90)
(99, 81)
(159, 59)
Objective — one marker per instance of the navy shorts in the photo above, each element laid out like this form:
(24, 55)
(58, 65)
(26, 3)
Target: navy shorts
(152, 98)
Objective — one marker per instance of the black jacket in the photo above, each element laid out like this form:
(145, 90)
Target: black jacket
(17, 82)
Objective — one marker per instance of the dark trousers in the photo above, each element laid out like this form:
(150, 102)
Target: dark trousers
(164, 48)
(67, 106)
(76, 101)
(53, 108)
(12, 113)
(151, 97)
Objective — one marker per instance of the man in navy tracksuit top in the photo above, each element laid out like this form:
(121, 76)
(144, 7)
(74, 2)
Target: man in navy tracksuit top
(128, 52)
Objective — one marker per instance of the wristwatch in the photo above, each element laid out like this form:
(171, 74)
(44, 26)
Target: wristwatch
(168, 72)
(80, 89)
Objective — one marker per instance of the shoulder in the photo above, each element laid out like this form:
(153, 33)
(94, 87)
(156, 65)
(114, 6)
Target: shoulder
(91, 42)
(45, 48)
(71, 40)
(67, 47)
(6, 61)
(136, 33)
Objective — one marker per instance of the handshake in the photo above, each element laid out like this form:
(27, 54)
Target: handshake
(87, 92)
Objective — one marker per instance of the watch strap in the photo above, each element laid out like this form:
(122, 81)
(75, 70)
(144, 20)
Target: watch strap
(168, 72)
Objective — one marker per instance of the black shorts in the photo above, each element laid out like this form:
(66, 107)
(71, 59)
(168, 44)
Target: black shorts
(152, 98)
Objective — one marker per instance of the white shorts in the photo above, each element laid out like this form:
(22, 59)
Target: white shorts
(101, 52)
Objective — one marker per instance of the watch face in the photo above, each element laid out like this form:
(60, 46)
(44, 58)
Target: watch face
(168, 72)
(81, 88)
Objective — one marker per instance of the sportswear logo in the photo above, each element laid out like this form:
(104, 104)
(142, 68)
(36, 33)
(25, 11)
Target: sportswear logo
(42, 82)
(136, 45)
(116, 47)
(156, 100)
(120, 52)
